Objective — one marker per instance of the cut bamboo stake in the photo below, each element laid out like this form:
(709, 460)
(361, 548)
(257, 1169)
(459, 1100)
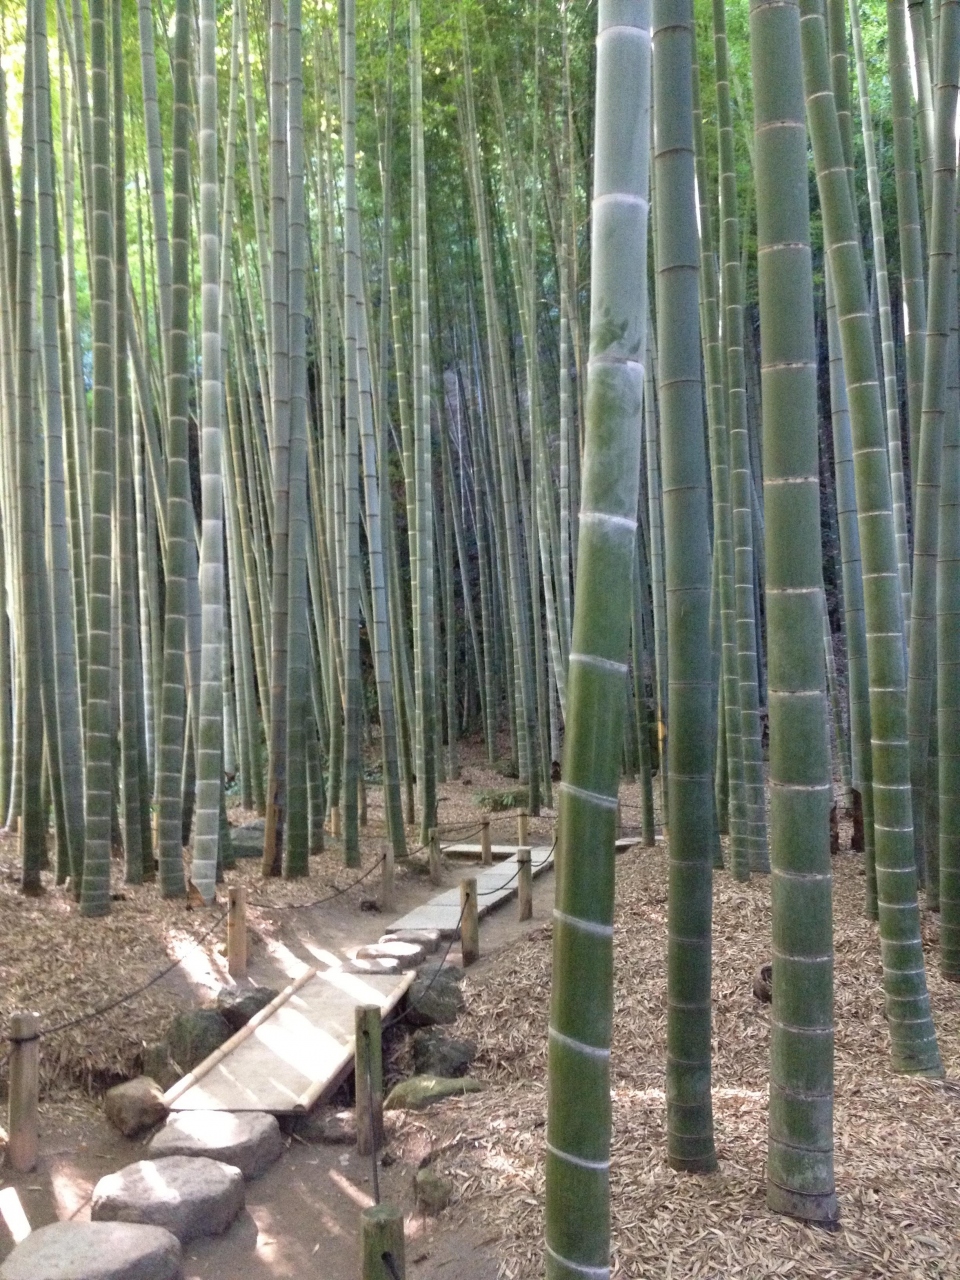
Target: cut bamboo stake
(469, 922)
(24, 1135)
(369, 1079)
(434, 856)
(237, 931)
(523, 822)
(486, 852)
(335, 821)
(386, 878)
(381, 1232)
(525, 883)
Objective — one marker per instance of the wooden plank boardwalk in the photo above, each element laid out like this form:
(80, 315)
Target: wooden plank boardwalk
(494, 886)
(293, 1052)
(300, 1047)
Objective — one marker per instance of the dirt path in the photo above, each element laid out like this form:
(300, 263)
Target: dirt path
(302, 1216)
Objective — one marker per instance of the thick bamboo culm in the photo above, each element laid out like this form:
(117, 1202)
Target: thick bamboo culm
(237, 931)
(381, 1233)
(23, 1122)
(469, 922)
(369, 1079)
(525, 883)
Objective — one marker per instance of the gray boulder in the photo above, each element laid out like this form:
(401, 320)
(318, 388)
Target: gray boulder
(238, 1007)
(135, 1105)
(194, 1035)
(435, 997)
(435, 1054)
(96, 1251)
(433, 1192)
(159, 1066)
(429, 939)
(189, 1196)
(251, 1140)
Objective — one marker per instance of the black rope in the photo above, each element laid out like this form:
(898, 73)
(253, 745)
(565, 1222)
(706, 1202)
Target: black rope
(317, 902)
(137, 991)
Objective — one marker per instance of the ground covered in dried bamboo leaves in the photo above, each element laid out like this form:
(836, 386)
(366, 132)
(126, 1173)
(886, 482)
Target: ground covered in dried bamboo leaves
(897, 1139)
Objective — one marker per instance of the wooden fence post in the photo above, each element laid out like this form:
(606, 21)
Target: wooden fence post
(435, 876)
(369, 1078)
(525, 883)
(381, 1232)
(469, 922)
(486, 851)
(237, 931)
(24, 1135)
(523, 822)
(386, 877)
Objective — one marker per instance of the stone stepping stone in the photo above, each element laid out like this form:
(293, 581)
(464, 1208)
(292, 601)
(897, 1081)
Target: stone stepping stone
(375, 964)
(407, 954)
(250, 1140)
(429, 939)
(189, 1195)
(96, 1251)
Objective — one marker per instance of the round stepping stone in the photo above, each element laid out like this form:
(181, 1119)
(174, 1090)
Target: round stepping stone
(96, 1251)
(429, 939)
(191, 1196)
(250, 1140)
(407, 954)
(379, 964)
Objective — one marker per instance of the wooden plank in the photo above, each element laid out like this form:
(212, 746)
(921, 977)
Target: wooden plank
(301, 1051)
(494, 886)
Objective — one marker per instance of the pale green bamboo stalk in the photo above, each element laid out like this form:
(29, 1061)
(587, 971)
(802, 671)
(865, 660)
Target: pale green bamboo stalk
(800, 1177)
(690, 813)
(578, 1119)
(913, 1039)
(95, 900)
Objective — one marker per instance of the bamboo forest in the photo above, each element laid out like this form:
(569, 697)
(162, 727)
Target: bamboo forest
(479, 639)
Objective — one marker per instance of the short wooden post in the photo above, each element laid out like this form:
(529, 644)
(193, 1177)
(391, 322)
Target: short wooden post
(435, 876)
(387, 868)
(469, 922)
(381, 1233)
(369, 1078)
(237, 931)
(486, 849)
(24, 1135)
(335, 821)
(525, 883)
(523, 822)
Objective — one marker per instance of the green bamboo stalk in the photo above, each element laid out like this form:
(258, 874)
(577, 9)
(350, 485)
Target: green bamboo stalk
(913, 1039)
(95, 900)
(942, 241)
(800, 1135)
(578, 1119)
(180, 533)
(69, 739)
(908, 220)
(690, 813)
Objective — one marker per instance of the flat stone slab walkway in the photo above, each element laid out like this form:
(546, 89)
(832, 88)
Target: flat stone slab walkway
(494, 886)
